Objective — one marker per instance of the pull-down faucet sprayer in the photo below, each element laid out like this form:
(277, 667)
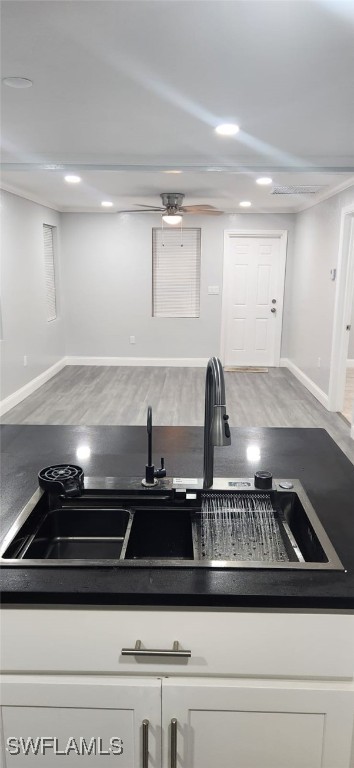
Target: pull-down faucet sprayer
(216, 420)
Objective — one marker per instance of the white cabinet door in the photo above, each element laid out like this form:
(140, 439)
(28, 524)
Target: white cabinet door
(91, 721)
(256, 724)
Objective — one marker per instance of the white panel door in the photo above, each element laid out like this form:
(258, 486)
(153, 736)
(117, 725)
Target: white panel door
(91, 721)
(255, 724)
(253, 300)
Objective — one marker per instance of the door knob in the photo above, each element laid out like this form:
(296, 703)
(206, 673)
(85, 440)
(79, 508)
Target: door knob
(273, 309)
(274, 301)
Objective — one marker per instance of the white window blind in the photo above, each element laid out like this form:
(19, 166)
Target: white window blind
(49, 271)
(175, 272)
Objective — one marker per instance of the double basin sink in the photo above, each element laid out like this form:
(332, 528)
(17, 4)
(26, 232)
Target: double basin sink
(169, 527)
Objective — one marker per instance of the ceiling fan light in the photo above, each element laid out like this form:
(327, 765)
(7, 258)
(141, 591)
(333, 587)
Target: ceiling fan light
(173, 218)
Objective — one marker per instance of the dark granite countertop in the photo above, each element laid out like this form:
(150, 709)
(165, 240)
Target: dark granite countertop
(307, 454)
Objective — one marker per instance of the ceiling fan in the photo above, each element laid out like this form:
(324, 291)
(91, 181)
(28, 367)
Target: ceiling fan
(172, 209)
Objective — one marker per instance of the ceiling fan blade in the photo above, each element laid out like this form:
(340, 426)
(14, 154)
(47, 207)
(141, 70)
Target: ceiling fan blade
(203, 212)
(151, 207)
(198, 208)
(203, 209)
(146, 210)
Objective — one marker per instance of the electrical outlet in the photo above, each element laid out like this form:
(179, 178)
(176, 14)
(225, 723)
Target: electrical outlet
(132, 339)
(25, 360)
(318, 362)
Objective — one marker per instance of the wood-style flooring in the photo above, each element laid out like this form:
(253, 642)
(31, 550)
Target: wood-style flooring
(91, 395)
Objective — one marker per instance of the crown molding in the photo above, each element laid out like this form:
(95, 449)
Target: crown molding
(327, 195)
(31, 198)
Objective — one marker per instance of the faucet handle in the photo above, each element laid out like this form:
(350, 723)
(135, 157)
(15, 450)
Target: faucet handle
(162, 471)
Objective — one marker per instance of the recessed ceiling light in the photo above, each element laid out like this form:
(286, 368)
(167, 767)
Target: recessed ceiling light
(264, 181)
(227, 129)
(172, 219)
(72, 179)
(17, 82)
(106, 204)
(245, 204)
(176, 171)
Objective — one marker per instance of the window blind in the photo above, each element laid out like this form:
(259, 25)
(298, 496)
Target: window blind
(176, 272)
(49, 272)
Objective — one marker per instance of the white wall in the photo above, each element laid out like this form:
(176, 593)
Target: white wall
(25, 330)
(311, 293)
(106, 269)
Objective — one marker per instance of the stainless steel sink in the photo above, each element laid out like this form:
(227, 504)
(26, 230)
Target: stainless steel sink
(172, 527)
(78, 534)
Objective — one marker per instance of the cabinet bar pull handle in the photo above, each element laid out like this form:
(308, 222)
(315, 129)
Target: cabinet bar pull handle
(175, 651)
(173, 743)
(145, 744)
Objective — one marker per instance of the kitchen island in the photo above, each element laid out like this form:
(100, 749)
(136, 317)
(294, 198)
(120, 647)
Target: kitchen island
(309, 455)
(249, 667)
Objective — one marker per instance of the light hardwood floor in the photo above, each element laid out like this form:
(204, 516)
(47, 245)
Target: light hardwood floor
(92, 395)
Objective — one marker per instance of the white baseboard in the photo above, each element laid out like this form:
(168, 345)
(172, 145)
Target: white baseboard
(306, 381)
(170, 362)
(350, 363)
(9, 402)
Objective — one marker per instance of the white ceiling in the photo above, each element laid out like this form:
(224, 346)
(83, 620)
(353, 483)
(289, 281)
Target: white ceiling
(127, 188)
(123, 90)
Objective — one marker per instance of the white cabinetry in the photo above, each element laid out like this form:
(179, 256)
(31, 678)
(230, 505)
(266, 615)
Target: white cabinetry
(256, 724)
(84, 718)
(260, 690)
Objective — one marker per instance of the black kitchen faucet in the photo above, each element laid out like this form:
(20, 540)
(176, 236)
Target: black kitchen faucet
(151, 474)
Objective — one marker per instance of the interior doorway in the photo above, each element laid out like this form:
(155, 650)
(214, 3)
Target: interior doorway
(253, 294)
(343, 320)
